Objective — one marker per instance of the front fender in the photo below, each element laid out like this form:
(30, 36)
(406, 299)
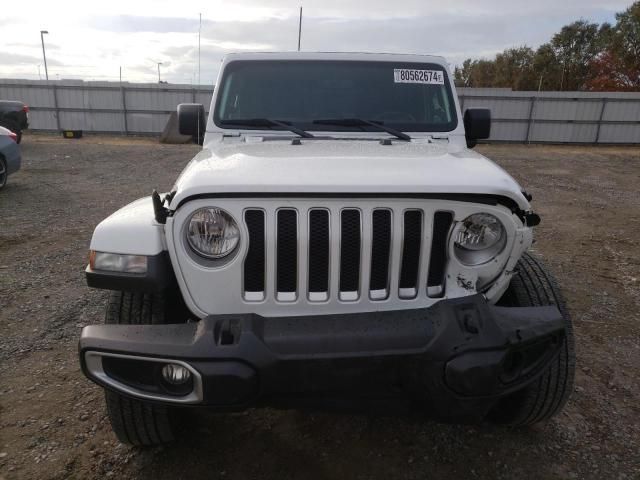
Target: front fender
(131, 230)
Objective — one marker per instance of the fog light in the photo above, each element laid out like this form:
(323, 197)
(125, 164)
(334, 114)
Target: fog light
(176, 374)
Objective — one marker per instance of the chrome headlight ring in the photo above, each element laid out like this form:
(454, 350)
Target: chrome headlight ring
(480, 238)
(212, 233)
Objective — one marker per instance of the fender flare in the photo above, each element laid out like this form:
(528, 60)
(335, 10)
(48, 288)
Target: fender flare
(133, 230)
(130, 230)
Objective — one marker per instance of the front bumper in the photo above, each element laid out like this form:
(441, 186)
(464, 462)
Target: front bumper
(456, 358)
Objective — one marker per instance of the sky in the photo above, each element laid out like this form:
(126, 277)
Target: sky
(93, 40)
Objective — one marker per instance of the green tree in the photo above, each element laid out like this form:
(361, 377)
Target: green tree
(575, 46)
(547, 68)
(618, 68)
(475, 73)
(462, 73)
(626, 35)
(514, 69)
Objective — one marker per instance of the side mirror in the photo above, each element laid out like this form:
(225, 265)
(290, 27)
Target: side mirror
(192, 121)
(477, 125)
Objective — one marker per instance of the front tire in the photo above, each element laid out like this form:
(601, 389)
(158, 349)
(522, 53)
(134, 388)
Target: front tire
(533, 285)
(137, 422)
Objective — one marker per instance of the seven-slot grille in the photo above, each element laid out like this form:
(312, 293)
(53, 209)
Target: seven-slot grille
(363, 259)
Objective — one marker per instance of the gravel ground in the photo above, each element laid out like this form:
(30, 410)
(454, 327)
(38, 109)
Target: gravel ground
(52, 420)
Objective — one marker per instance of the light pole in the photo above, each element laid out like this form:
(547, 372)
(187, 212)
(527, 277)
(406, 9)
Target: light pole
(159, 63)
(44, 55)
(299, 28)
(39, 75)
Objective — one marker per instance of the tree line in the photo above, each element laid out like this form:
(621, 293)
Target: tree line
(581, 56)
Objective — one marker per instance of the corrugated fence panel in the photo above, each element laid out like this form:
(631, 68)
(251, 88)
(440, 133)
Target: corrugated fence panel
(512, 109)
(103, 99)
(204, 98)
(567, 109)
(620, 133)
(147, 122)
(555, 117)
(622, 111)
(508, 132)
(563, 132)
(42, 120)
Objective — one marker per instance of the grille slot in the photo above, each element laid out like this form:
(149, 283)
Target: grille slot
(380, 254)
(254, 263)
(286, 254)
(438, 259)
(319, 255)
(350, 245)
(412, 242)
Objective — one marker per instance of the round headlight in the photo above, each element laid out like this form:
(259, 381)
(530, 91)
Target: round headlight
(212, 233)
(480, 238)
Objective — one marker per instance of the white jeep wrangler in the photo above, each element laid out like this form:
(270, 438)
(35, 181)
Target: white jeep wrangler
(335, 244)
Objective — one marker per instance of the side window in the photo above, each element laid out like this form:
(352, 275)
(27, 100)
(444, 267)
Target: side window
(226, 102)
(446, 107)
(437, 106)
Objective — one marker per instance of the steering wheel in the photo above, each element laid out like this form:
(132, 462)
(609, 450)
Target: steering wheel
(395, 116)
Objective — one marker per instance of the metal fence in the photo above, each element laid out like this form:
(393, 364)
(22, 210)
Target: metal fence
(144, 108)
(101, 107)
(558, 117)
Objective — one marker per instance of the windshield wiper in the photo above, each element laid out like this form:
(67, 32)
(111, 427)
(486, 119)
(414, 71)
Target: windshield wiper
(266, 122)
(359, 122)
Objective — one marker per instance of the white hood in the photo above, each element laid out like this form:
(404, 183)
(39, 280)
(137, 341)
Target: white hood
(342, 166)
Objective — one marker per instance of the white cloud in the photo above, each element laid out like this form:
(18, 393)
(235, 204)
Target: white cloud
(93, 40)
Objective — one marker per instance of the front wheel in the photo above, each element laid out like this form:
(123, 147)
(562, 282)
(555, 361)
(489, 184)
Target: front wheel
(533, 285)
(137, 422)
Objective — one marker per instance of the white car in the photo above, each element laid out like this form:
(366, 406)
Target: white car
(335, 244)
(10, 156)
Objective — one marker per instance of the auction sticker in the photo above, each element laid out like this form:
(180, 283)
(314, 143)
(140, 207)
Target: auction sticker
(408, 75)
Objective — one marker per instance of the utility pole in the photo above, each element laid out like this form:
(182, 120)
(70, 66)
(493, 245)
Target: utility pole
(39, 75)
(299, 28)
(159, 63)
(44, 55)
(199, 32)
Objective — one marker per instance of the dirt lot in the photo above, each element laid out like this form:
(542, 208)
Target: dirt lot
(52, 420)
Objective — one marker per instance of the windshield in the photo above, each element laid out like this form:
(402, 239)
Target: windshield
(409, 97)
